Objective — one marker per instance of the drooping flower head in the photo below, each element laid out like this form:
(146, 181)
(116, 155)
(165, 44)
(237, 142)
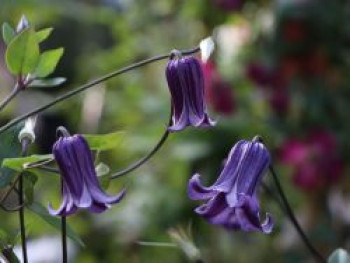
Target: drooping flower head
(186, 85)
(232, 200)
(81, 188)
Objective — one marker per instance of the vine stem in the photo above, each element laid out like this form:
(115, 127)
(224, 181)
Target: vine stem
(10, 97)
(318, 257)
(25, 143)
(93, 83)
(144, 159)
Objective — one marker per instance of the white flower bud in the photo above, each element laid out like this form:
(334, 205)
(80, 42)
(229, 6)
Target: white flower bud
(207, 46)
(27, 131)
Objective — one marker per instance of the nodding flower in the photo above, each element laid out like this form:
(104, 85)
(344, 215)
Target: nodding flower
(232, 200)
(186, 85)
(80, 186)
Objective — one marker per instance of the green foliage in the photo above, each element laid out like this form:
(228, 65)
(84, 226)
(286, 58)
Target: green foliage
(8, 33)
(47, 83)
(22, 54)
(103, 142)
(55, 222)
(30, 180)
(18, 164)
(43, 34)
(339, 256)
(10, 147)
(47, 62)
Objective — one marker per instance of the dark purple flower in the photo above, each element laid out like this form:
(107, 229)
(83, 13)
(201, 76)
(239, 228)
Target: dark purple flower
(186, 85)
(81, 188)
(232, 199)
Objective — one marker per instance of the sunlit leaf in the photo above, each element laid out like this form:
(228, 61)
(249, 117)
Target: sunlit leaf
(18, 164)
(8, 33)
(48, 62)
(55, 222)
(104, 142)
(22, 54)
(47, 83)
(339, 256)
(43, 34)
(102, 171)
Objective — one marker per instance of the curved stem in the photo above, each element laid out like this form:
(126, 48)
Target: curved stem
(318, 257)
(25, 144)
(91, 84)
(144, 159)
(10, 97)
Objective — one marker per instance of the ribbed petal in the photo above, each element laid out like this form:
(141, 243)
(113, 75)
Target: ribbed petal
(228, 175)
(63, 155)
(213, 207)
(249, 218)
(196, 191)
(186, 85)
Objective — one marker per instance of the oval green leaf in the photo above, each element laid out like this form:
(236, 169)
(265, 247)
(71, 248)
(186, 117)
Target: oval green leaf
(22, 54)
(8, 33)
(48, 62)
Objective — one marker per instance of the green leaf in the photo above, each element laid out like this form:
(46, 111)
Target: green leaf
(22, 54)
(8, 33)
(102, 171)
(10, 147)
(104, 142)
(30, 180)
(48, 62)
(41, 211)
(17, 164)
(47, 83)
(43, 34)
(339, 256)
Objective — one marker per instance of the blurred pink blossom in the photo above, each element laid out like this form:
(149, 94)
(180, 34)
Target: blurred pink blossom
(219, 93)
(315, 159)
(229, 5)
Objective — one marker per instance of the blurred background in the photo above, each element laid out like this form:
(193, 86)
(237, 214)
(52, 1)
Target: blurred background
(280, 70)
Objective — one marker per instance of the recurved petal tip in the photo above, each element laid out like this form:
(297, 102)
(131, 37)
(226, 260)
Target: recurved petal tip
(196, 191)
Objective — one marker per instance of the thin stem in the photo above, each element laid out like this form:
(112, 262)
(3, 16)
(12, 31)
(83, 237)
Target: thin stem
(91, 84)
(156, 244)
(25, 144)
(64, 235)
(10, 97)
(64, 239)
(144, 159)
(318, 257)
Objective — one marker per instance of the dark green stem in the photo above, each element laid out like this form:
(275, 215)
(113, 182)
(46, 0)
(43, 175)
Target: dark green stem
(91, 84)
(64, 239)
(144, 159)
(25, 143)
(318, 257)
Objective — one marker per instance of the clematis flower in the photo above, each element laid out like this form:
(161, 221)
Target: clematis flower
(81, 188)
(232, 200)
(186, 85)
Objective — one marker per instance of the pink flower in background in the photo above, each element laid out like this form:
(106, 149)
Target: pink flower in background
(315, 160)
(219, 93)
(274, 84)
(229, 5)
